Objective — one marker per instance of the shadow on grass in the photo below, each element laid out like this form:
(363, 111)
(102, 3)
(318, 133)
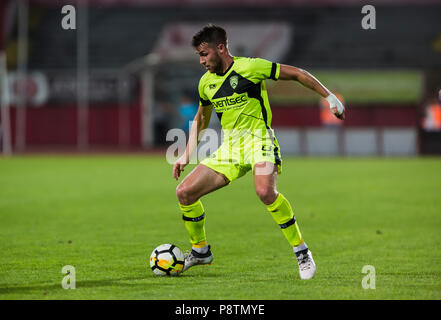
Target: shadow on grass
(78, 284)
(46, 288)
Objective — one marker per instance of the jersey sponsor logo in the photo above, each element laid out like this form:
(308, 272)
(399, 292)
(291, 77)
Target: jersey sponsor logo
(234, 81)
(230, 101)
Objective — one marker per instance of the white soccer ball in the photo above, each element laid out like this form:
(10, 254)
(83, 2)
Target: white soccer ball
(167, 259)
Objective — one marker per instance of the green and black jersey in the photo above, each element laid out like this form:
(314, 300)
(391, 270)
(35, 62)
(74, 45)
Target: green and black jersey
(239, 95)
(240, 100)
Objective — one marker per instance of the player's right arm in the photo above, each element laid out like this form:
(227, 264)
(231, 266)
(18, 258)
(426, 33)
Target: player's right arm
(200, 123)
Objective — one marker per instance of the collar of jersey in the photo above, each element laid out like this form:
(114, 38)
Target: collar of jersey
(226, 71)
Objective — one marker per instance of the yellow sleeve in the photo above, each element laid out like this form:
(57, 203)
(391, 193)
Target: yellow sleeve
(264, 69)
(203, 99)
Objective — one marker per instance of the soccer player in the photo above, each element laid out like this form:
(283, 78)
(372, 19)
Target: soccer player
(235, 87)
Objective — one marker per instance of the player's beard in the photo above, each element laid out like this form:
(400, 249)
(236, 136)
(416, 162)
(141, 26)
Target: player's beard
(217, 64)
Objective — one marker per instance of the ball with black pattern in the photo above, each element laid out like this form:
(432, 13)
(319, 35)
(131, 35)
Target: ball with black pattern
(167, 259)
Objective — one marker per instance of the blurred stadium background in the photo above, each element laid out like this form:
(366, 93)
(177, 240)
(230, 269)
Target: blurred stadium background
(85, 114)
(117, 82)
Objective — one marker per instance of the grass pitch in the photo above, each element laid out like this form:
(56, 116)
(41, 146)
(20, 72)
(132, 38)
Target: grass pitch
(105, 214)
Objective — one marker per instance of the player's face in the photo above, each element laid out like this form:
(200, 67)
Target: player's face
(209, 57)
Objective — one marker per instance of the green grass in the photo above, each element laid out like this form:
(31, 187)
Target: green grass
(105, 214)
(357, 87)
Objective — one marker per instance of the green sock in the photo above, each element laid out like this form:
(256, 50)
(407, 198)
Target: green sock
(282, 213)
(194, 221)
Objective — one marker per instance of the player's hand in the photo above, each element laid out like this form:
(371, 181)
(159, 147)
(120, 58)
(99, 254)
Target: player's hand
(336, 106)
(341, 116)
(179, 165)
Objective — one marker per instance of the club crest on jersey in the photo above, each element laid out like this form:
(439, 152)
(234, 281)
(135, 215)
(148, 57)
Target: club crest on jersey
(234, 80)
(212, 86)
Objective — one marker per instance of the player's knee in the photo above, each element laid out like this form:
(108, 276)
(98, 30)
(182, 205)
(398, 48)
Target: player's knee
(266, 194)
(184, 195)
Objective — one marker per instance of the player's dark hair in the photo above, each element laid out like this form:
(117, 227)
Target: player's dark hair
(210, 34)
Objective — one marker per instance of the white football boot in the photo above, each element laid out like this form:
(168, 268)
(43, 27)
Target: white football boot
(306, 264)
(192, 258)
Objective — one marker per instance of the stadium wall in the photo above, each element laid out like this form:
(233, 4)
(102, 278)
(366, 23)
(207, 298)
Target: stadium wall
(56, 126)
(356, 141)
(368, 130)
(404, 115)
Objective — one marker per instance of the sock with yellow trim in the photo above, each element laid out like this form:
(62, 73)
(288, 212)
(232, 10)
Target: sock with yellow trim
(194, 221)
(282, 213)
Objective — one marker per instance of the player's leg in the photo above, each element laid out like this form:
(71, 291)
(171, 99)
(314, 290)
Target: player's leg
(201, 181)
(197, 183)
(265, 179)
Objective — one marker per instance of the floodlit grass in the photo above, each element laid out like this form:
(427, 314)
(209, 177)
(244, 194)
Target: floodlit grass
(105, 214)
(357, 87)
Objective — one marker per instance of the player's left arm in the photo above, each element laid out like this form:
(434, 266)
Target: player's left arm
(308, 80)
